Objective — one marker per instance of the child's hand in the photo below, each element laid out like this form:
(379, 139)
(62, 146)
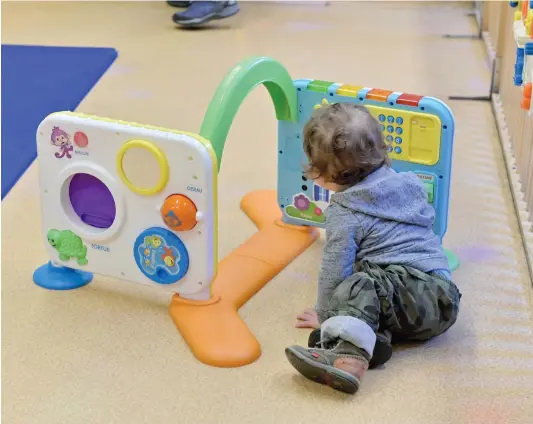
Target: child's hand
(307, 319)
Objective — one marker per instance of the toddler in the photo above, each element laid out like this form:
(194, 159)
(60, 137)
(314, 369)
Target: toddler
(384, 274)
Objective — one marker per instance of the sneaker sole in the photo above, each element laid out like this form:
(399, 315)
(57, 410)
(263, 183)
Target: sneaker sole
(225, 13)
(323, 374)
(382, 350)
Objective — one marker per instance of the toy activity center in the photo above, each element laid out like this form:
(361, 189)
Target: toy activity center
(139, 203)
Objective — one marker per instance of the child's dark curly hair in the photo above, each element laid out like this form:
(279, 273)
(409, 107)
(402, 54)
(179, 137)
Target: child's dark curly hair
(343, 144)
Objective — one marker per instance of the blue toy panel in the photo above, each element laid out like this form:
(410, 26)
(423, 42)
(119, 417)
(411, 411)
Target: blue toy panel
(161, 255)
(302, 203)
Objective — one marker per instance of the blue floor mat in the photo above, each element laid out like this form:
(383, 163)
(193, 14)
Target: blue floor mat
(36, 81)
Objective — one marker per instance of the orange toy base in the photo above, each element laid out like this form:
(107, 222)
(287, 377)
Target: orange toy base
(213, 329)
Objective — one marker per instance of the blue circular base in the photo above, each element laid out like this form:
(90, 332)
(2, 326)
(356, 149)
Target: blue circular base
(453, 260)
(52, 277)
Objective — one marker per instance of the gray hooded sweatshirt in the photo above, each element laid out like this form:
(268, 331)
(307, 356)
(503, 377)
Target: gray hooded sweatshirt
(385, 219)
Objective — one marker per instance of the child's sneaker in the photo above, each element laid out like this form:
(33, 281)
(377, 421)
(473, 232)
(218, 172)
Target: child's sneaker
(201, 12)
(382, 349)
(340, 364)
(180, 4)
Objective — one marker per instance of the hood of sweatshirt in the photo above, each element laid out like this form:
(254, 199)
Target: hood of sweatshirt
(389, 195)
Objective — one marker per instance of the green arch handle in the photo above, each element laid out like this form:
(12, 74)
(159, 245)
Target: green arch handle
(232, 91)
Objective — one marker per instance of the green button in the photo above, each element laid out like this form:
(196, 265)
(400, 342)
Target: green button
(319, 86)
(429, 189)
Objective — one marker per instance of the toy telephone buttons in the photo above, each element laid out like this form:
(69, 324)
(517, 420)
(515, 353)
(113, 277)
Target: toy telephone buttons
(161, 255)
(179, 213)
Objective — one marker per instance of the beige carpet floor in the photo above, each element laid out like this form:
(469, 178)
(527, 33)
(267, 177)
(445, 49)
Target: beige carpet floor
(109, 353)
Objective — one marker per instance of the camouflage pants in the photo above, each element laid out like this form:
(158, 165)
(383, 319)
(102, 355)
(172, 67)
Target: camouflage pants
(409, 303)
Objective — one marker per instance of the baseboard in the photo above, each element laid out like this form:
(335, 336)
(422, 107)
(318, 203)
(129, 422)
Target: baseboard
(489, 46)
(511, 168)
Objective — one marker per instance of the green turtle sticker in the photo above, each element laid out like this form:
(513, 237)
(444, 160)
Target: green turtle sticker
(68, 245)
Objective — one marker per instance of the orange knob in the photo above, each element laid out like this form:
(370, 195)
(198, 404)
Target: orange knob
(179, 213)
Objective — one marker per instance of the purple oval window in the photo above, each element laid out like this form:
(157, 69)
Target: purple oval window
(92, 201)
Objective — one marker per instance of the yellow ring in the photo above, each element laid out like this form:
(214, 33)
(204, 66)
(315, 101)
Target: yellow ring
(161, 160)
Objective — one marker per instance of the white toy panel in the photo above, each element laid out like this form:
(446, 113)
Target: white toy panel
(142, 200)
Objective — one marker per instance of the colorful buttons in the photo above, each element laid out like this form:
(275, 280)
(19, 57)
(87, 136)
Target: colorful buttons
(389, 148)
(398, 140)
(381, 118)
(399, 120)
(179, 213)
(399, 130)
(398, 150)
(390, 118)
(390, 128)
(389, 138)
(381, 127)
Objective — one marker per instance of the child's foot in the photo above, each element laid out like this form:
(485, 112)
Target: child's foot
(201, 12)
(382, 350)
(179, 3)
(340, 365)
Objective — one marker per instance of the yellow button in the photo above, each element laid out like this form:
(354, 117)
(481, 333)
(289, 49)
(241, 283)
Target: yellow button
(349, 90)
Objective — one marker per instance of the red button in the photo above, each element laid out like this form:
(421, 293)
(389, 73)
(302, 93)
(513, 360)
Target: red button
(409, 99)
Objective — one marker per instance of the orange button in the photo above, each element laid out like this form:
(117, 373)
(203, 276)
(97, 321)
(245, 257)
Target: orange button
(378, 94)
(179, 213)
(525, 103)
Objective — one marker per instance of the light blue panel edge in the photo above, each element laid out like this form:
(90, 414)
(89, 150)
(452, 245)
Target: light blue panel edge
(291, 157)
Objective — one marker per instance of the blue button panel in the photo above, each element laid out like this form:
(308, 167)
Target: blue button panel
(391, 129)
(161, 255)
